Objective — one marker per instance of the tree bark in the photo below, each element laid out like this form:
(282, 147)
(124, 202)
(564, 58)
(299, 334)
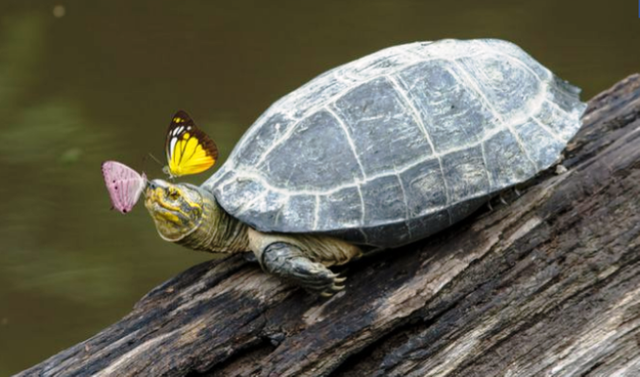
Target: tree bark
(548, 284)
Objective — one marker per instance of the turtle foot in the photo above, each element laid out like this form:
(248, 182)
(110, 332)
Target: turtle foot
(287, 262)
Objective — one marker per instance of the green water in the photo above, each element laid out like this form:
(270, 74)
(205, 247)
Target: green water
(102, 80)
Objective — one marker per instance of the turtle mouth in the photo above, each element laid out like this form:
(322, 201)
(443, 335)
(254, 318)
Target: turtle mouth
(175, 209)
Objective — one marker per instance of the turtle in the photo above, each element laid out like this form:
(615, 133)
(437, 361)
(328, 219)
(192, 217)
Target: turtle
(375, 154)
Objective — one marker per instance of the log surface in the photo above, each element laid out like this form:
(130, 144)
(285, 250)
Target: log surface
(548, 284)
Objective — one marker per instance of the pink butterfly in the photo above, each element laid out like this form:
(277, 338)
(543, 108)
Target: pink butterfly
(124, 184)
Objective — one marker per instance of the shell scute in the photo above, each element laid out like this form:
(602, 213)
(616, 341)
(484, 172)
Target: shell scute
(343, 206)
(508, 163)
(465, 174)
(316, 155)
(447, 109)
(379, 127)
(388, 190)
(424, 188)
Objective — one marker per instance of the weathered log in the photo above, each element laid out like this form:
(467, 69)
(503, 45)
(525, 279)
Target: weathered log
(548, 284)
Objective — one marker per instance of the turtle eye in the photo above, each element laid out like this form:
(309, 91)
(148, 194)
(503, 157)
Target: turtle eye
(173, 194)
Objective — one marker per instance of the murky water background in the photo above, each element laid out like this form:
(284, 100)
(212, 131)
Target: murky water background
(82, 82)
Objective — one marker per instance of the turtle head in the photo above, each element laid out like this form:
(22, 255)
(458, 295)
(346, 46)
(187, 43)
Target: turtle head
(189, 215)
(176, 209)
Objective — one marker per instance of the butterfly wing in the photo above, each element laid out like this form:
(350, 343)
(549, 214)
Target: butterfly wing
(124, 185)
(189, 149)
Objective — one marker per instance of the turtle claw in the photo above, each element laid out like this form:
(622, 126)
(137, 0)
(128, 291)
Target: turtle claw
(339, 280)
(332, 290)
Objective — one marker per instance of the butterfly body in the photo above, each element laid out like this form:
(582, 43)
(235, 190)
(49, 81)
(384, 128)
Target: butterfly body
(189, 150)
(124, 185)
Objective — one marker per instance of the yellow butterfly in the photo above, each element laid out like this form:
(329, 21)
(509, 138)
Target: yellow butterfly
(189, 149)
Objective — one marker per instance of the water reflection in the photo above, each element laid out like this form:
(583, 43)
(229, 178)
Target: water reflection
(100, 81)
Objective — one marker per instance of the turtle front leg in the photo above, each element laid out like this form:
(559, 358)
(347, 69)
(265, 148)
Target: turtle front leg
(289, 262)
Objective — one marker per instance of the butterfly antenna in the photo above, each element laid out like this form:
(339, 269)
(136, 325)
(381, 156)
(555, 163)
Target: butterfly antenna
(154, 158)
(146, 158)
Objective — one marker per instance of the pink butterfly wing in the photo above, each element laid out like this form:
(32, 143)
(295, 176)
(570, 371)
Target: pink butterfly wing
(124, 185)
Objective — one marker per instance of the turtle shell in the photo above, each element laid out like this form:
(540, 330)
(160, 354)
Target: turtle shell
(399, 144)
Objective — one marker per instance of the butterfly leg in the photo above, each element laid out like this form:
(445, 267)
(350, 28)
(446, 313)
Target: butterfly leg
(288, 262)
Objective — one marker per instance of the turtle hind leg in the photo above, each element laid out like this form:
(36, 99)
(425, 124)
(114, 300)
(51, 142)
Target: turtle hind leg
(289, 262)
